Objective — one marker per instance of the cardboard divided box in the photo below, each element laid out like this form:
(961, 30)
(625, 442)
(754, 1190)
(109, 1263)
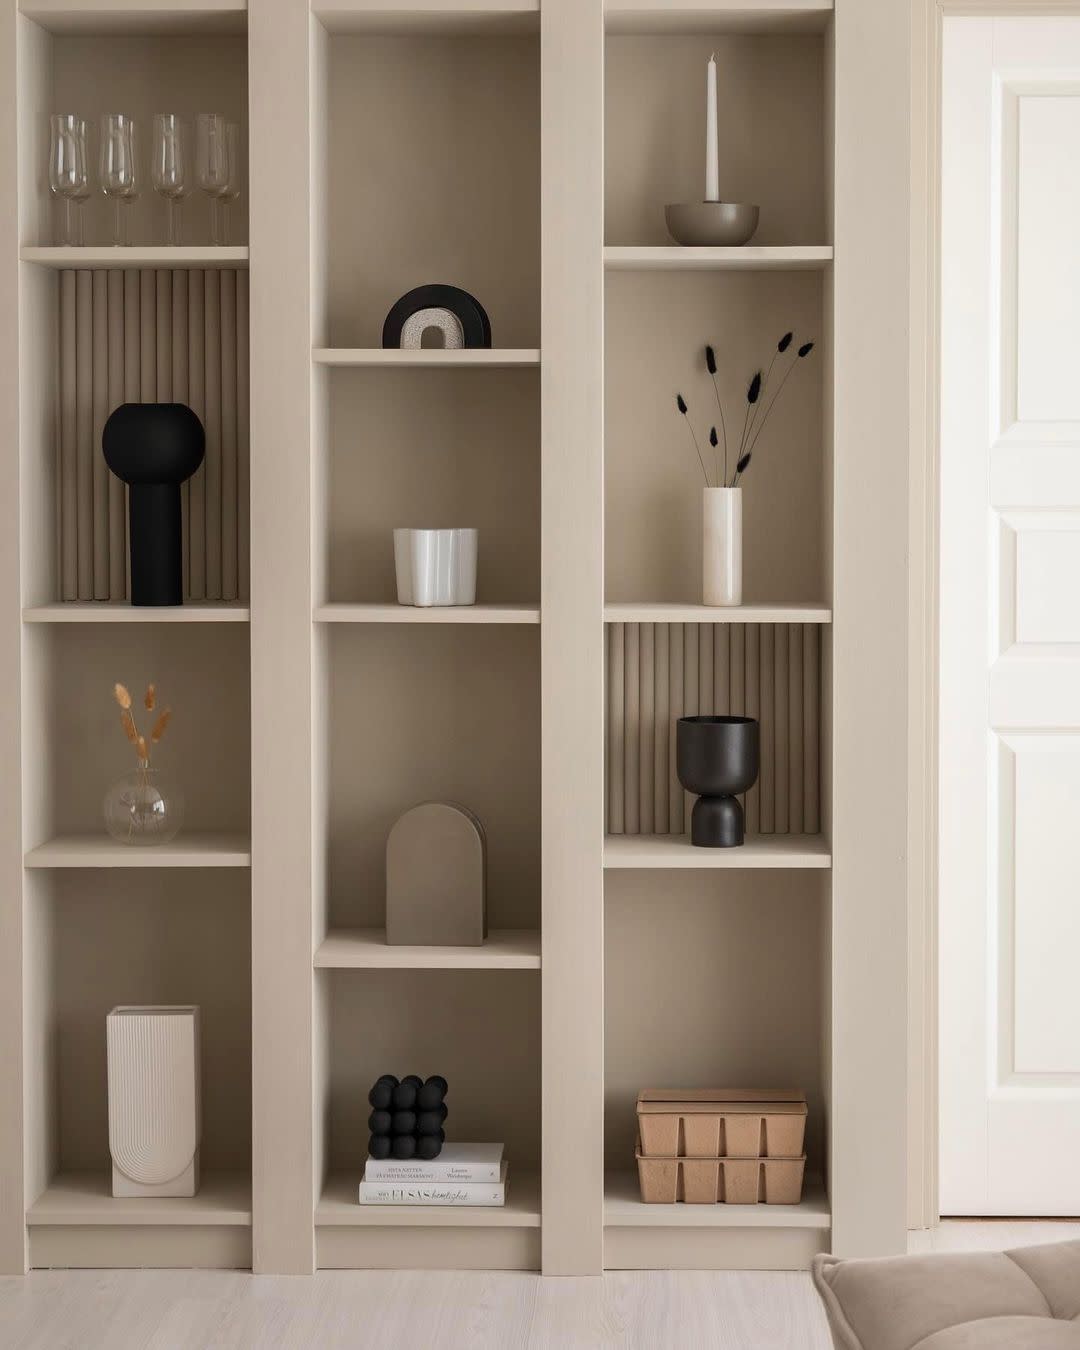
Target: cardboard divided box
(711, 1181)
(721, 1122)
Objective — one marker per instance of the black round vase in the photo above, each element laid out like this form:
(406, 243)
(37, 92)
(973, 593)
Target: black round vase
(717, 757)
(154, 447)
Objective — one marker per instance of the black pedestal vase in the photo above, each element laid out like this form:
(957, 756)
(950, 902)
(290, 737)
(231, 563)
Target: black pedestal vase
(717, 757)
(154, 447)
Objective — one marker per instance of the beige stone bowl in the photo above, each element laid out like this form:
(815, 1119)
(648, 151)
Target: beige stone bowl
(716, 224)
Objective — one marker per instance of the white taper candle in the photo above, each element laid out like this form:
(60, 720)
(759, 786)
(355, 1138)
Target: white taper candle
(712, 149)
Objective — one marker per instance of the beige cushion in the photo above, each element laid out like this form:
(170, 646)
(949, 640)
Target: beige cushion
(1027, 1299)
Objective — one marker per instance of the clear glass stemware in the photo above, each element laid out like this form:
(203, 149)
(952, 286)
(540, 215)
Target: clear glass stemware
(232, 189)
(69, 180)
(119, 172)
(212, 164)
(172, 169)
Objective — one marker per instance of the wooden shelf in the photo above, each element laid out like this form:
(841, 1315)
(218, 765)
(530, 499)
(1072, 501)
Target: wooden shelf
(678, 258)
(623, 1208)
(717, 16)
(459, 359)
(338, 1207)
(367, 949)
(675, 613)
(341, 613)
(759, 851)
(187, 850)
(138, 255)
(100, 611)
(84, 1199)
(487, 17)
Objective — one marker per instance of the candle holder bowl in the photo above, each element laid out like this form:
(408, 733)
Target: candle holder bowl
(711, 224)
(718, 758)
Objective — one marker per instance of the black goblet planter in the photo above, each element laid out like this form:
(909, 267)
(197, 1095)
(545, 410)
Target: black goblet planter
(154, 447)
(717, 757)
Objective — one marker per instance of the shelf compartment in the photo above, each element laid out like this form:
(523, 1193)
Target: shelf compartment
(468, 358)
(717, 1237)
(680, 258)
(338, 1208)
(478, 157)
(187, 850)
(673, 17)
(77, 1224)
(85, 1199)
(137, 255)
(367, 949)
(103, 611)
(679, 613)
(759, 851)
(474, 17)
(437, 614)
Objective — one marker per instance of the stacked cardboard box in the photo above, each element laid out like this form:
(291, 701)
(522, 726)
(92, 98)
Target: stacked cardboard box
(736, 1146)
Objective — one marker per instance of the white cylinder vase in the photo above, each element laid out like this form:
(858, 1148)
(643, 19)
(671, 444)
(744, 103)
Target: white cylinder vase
(435, 567)
(721, 560)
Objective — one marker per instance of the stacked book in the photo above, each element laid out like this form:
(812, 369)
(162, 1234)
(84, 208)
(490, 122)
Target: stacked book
(462, 1174)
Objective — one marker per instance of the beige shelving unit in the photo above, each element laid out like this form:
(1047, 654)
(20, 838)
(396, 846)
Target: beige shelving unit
(319, 711)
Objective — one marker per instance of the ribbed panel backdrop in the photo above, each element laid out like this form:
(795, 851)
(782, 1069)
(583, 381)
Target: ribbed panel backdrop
(659, 672)
(153, 337)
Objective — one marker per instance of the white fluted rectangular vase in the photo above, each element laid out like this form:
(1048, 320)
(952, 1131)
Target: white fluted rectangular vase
(721, 554)
(155, 1107)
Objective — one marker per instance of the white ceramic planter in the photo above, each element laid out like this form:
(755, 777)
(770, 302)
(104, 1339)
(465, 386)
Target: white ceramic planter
(435, 567)
(721, 557)
(155, 1116)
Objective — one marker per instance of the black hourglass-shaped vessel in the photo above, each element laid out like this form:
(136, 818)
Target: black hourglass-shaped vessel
(154, 447)
(717, 757)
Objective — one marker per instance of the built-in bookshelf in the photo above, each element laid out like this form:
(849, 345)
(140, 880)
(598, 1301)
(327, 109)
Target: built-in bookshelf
(524, 150)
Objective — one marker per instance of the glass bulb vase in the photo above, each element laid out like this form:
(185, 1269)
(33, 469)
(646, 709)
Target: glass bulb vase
(144, 808)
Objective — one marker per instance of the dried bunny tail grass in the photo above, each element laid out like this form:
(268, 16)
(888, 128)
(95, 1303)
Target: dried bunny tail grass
(128, 723)
(150, 700)
(122, 696)
(142, 749)
(159, 726)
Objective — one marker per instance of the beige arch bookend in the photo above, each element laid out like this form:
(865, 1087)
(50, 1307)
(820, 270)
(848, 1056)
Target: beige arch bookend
(436, 878)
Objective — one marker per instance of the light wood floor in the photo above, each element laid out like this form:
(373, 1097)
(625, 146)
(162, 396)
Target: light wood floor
(209, 1310)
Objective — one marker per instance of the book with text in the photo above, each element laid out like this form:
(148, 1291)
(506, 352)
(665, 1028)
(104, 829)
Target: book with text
(434, 1192)
(466, 1163)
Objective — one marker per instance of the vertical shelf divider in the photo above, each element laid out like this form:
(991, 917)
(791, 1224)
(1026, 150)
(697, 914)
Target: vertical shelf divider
(572, 633)
(281, 83)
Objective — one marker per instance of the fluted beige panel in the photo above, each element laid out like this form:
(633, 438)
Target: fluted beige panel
(132, 380)
(68, 479)
(646, 727)
(144, 336)
(212, 422)
(781, 760)
(229, 561)
(631, 732)
(657, 673)
(197, 402)
(84, 430)
(243, 439)
(101, 475)
(180, 394)
(676, 650)
(117, 491)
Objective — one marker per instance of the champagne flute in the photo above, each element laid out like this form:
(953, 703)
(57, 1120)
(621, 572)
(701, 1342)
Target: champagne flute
(172, 169)
(119, 175)
(69, 180)
(212, 163)
(232, 188)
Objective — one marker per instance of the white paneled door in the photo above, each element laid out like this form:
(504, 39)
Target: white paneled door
(1009, 843)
